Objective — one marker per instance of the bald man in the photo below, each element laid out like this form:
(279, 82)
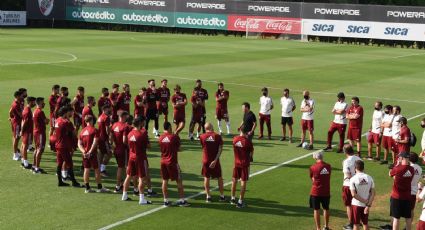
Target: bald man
(307, 119)
(212, 146)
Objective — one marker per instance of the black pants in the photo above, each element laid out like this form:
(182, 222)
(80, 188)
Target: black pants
(152, 114)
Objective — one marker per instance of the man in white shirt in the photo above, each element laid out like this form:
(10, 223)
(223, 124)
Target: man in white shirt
(423, 137)
(339, 123)
(266, 106)
(362, 189)
(416, 177)
(420, 196)
(288, 107)
(348, 169)
(387, 132)
(307, 119)
(395, 132)
(375, 132)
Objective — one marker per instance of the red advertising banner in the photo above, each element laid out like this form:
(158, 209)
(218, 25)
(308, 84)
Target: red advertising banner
(264, 24)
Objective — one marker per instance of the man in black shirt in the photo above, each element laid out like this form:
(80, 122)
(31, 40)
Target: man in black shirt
(249, 122)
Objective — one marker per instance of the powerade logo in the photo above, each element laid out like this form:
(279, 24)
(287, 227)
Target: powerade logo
(146, 3)
(156, 18)
(325, 11)
(358, 29)
(203, 5)
(201, 22)
(281, 9)
(396, 31)
(323, 27)
(92, 1)
(405, 14)
(96, 15)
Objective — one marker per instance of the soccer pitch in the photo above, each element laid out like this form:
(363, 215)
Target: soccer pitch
(278, 198)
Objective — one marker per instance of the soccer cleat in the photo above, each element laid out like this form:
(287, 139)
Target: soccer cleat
(348, 226)
(118, 189)
(151, 194)
(126, 199)
(76, 185)
(386, 227)
(62, 184)
(103, 190)
(384, 162)
(31, 148)
(183, 203)
(240, 205)
(290, 141)
(104, 174)
(300, 145)
(192, 139)
(328, 148)
(29, 166)
(369, 158)
(222, 199)
(233, 201)
(167, 203)
(37, 171)
(208, 200)
(283, 139)
(310, 147)
(16, 157)
(145, 202)
(89, 190)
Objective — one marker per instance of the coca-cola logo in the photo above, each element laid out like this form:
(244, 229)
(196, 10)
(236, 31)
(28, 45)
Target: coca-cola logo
(279, 25)
(252, 24)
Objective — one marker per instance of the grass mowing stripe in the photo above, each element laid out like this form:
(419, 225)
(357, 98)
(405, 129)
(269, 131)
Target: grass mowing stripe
(226, 184)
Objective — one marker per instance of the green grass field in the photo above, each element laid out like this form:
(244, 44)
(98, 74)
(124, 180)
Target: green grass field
(278, 199)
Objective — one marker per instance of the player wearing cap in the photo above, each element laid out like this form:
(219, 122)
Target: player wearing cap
(87, 143)
(169, 144)
(179, 101)
(402, 173)
(27, 131)
(221, 113)
(320, 174)
(138, 143)
(78, 104)
(387, 139)
(40, 123)
(339, 123)
(362, 189)
(375, 132)
(266, 107)
(288, 107)
(307, 119)
(355, 117)
(348, 169)
(164, 98)
(212, 147)
(243, 151)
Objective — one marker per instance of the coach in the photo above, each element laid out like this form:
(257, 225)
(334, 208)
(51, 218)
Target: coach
(249, 122)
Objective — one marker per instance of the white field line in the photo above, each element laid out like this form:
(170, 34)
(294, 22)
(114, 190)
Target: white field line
(408, 55)
(71, 59)
(146, 213)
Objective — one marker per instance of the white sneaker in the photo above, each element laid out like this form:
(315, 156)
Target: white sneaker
(145, 202)
(88, 191)
(102, 190)
(15, 157)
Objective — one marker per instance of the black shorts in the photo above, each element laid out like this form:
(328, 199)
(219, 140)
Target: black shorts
(316, 201)
(152, 114)
(400, 208)
(287, 120)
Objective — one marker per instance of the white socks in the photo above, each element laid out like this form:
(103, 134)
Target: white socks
(102, 167)
(124, 196)
(219, 126)
(228, 127)
(64, 174)
(25, 163)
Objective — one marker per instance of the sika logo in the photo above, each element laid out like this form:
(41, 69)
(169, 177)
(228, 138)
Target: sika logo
(46, 6)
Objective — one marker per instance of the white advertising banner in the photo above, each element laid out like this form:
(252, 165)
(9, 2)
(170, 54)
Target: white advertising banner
(13, 18)
(363, 29)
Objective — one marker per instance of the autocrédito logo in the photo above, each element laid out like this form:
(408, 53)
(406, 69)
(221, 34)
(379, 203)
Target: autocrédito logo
(98, 15)
(214, 22)
(45, 6)
(155, 18)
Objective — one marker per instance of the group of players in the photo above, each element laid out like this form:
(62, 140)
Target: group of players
(126, 137)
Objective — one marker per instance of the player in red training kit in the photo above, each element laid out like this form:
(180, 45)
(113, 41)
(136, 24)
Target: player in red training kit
(124, 99)
(138, 142)
(103, 100)
(212, 147)
(355, 117)
(87, 143)
(164, 98)
(221, 113)
(40, 123)
(78, 105)
(243, 151)
(105, 149)
(52, 106)
(88, 109)
(140, 103)
(114, 100)
(27, 131)
(169, 144)
(179, 101)
(15, 118)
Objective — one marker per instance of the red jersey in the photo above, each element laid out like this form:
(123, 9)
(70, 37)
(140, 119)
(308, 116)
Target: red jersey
(15, 112)
(242, 148)
(39, 121)
(60, 102)
(222, 105)
(151, 98)
(404, 134)
(87, 136)
(102, 102)
(79, 105)
(114, 99)
(103, 123)
(164, 94)
(320, 173)
(138, 143)
(139, 110)
(52, 104)
(169, 145)
(403, 175)
(210, 143)
(87, 111)
(64, 131)
(119, 130)
(357, 123)
(179, 98)
(197, 109)
(27, 118)
(124, 100)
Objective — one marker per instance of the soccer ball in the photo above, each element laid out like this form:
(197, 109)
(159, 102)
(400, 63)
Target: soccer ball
(305, 145)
